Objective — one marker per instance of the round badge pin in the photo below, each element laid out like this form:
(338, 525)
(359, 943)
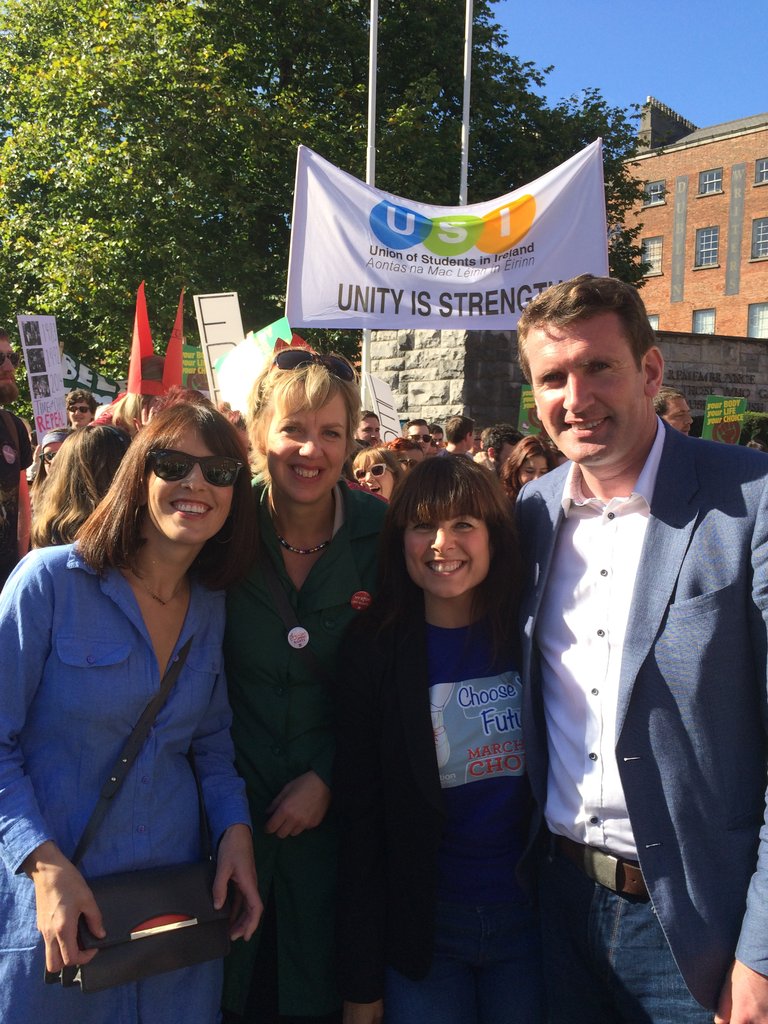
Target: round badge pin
(298, 637)
(360, 599)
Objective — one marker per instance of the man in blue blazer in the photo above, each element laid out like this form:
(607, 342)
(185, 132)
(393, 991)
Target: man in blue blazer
(645, 649)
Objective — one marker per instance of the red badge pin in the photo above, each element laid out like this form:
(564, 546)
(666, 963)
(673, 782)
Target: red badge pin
(360, 599)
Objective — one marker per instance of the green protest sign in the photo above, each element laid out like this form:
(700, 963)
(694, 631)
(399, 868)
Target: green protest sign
(723, 418)
(528, 421)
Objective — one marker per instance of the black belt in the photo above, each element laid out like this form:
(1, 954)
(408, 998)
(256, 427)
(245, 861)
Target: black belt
(622, 876)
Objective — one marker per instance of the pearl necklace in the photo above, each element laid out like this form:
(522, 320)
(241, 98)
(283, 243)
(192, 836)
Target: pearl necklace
(302, 551)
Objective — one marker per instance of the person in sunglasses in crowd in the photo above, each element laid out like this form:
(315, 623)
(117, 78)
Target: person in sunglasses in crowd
(418, 431)
(77, 481)
(316, 571)
(15, 457)
(45, 453)
(377, 470)
(81, 408)
(87, 631)
(408, 453)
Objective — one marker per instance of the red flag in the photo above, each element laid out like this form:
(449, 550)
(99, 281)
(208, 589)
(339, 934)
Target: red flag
(172, 373)
(141, 348)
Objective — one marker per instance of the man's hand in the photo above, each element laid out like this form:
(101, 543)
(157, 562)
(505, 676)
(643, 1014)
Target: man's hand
(744, 998)
(235, 863)
(363, 1013)
(61, 896)
(301, 804)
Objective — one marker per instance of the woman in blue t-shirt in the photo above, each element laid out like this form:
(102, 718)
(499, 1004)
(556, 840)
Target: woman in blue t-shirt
(430, 782)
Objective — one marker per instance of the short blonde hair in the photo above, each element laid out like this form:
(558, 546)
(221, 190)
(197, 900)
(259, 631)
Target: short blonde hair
(304, 389)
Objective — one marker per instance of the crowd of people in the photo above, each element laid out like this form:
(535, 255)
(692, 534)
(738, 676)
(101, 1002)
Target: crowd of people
(478, 719)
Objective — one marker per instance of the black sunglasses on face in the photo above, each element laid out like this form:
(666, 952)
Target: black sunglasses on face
(420, 437)
(49, 456)
(408, 463)
(293, 359)
(377, 469)
(171, 465)
(13, 358)
(78, 408)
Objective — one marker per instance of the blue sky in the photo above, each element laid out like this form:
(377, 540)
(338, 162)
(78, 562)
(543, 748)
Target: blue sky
(703, 58)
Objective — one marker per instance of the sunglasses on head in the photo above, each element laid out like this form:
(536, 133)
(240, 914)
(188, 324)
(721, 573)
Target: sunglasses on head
(293, 359)
(377, 469)
(13, 358)
(171, 465)
(420, 437)
(78, 408)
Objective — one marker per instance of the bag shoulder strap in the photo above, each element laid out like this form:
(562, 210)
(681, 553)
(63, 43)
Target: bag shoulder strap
(130, 751)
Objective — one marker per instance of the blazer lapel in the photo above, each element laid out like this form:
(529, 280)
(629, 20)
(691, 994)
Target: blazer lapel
(674, 512)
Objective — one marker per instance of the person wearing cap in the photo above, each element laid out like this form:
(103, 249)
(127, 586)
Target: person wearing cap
(45, 453)
(15, 457)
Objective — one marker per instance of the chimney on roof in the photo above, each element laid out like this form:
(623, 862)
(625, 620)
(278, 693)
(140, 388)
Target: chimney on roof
(661, 126)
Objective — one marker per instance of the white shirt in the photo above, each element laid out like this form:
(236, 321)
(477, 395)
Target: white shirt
(580, 634)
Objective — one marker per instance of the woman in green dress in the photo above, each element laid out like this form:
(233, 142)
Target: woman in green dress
(315, 573)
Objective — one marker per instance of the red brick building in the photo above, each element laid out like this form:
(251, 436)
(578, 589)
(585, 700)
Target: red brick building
(705, 223)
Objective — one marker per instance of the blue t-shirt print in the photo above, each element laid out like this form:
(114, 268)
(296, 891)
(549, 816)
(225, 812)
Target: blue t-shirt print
(477, 728)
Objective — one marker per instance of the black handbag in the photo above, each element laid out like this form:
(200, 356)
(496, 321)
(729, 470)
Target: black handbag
(155, 919)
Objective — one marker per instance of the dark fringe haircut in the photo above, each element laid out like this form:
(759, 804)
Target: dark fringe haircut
(442, 488)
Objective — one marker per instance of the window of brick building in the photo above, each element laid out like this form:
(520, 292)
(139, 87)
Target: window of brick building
(707, 245)
(710, 181)
(652, 250)
(654, 193)
(761, 171)
(653, 320)
(757, 320)
(703, 321)
(760, 238)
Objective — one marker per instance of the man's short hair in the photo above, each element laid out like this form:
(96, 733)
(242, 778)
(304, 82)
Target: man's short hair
(498, 435)
(369, 414)
(432, 427)
(582, 298)
(457, 428)
(416, 423)
(664, 397)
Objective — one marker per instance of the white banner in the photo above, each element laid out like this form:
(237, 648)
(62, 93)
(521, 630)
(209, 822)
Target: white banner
(361, 257)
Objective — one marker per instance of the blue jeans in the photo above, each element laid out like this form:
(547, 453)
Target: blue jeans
(486, 969)
(606, 959)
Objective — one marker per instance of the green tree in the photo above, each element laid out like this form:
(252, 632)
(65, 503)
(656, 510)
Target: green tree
(157, 141)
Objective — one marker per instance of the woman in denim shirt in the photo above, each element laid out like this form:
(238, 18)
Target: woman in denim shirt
(86, 633)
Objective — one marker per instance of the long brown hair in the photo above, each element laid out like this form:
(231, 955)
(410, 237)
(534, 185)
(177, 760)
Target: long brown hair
(78, 479)
(442, 488)
(111, 538)
(528, 448)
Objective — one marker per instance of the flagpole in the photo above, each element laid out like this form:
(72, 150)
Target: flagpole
(370, 162)
(465, 112)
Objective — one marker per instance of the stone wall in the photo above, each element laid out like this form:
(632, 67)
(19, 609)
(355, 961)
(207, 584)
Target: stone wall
(437, 374)
(701, 365)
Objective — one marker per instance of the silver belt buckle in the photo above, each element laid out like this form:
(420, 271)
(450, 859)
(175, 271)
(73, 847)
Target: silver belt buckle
(601, 867)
